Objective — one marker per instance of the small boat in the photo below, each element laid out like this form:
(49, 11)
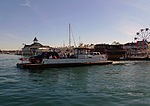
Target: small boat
(82, 57)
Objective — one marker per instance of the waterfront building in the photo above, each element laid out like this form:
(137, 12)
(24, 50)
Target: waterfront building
(114, 52)
(148, 49)
(131, 49)
(34, 48)
(138, 49)
(102, 48)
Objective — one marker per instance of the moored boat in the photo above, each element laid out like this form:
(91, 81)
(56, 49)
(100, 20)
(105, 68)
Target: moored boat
(82, 57)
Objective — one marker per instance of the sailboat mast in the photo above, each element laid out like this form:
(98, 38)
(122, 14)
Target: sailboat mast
(69, 35)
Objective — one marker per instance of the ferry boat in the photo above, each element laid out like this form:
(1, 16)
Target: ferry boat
(82, 57)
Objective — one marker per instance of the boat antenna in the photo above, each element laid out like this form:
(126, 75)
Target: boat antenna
(63, 43)
(74, 40)
(79, 40)
(69, 35)
(36, 34)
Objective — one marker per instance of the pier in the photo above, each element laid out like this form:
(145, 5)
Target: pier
(15, 52)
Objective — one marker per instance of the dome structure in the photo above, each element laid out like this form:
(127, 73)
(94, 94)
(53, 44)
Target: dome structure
(35, 48)
(35, 40)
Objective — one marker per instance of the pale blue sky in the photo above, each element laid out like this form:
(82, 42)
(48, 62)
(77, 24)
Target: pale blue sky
(95, 21)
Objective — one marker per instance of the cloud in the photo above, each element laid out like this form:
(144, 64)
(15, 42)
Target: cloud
(27, 3)
(139, 4)
(5, 35)
(128, 28)
(11, 36)
(130, 25)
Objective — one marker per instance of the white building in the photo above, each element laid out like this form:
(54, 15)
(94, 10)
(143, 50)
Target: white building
(35, 48)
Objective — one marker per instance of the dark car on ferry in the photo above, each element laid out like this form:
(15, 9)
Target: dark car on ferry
(43, 55)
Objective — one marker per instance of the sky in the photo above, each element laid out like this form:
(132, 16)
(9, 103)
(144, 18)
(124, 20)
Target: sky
(93, 21)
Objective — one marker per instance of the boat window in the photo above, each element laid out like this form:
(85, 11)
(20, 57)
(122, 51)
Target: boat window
(91, 53)
(40, 54)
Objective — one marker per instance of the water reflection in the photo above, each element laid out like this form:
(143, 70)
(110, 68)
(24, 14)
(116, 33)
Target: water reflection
(69, 79)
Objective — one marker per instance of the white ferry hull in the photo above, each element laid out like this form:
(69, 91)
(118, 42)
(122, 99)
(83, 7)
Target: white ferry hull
(61, 61)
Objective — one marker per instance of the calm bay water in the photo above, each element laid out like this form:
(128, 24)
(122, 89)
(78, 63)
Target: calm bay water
(108, 85)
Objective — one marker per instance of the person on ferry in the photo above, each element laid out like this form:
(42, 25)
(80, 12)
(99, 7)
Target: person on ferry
(68, 55)
(61, 56)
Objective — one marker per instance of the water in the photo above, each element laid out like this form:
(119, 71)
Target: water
(108, 85)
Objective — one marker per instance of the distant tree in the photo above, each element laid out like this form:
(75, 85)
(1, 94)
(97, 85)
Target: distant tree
(92, 45)
(86, 45)
(81, 45)
(115, 43)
